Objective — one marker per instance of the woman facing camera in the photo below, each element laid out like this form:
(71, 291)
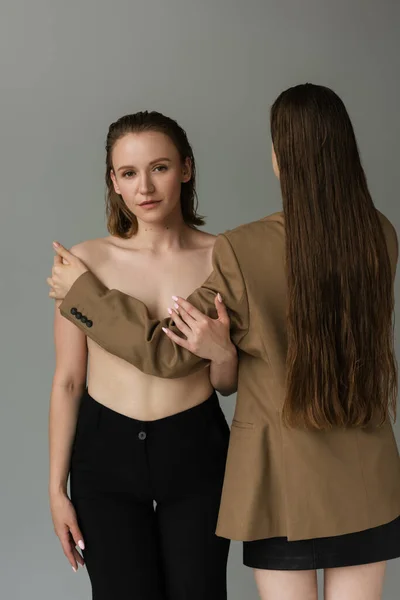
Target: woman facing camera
(146, 455)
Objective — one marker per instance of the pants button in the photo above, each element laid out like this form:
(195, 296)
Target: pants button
(142, 435)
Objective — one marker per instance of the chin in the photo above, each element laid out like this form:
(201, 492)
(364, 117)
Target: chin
(161, 213)
(154, 216)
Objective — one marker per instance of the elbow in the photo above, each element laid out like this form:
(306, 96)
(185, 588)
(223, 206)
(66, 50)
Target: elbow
(68, 383)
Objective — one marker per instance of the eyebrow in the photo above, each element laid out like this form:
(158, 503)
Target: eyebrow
(153, 162)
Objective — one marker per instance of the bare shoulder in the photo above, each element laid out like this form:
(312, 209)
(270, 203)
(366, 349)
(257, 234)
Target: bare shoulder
(201, 240)
(92, 252)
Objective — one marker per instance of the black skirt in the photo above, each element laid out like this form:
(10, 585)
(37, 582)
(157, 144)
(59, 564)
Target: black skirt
(363, 547)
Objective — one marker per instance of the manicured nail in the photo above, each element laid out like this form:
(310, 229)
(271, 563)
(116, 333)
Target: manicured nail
(219, 297)
(56, 244)
(176, 305)
(81, 545)
(164, 329)
(170, 311)
(74, 569)
(175, 298)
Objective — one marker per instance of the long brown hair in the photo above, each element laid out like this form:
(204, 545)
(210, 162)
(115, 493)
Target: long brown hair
(120, 220)
(341, 367)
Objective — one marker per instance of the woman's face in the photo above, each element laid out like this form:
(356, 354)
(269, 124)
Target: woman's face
(148, 174)
(275, 162)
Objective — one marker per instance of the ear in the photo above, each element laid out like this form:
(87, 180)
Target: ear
(115, 184)
(187, 170)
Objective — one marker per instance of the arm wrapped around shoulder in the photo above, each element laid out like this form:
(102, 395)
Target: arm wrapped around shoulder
(122, 325)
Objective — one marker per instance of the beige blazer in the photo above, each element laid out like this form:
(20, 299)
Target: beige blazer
(278, 481)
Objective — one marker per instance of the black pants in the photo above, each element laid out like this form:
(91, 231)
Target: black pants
(147, 497)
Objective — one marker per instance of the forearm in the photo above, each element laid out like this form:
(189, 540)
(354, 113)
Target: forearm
(64, 407)
(224, 372)
(124, 328)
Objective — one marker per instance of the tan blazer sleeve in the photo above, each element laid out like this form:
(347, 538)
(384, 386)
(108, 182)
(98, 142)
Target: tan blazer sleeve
(121, 324)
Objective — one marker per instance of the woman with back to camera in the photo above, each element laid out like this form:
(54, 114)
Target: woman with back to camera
(313, 471)
(134, 439)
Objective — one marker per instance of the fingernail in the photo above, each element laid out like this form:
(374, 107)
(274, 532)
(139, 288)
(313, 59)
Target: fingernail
(81, 545)
(164, 329)
(219, 297)
(74, 569)
(175, 298)
(56, 244)
(170, 311)
(176, 305)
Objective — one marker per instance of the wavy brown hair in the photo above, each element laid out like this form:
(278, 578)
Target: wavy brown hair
(120, 220)
(341, 367)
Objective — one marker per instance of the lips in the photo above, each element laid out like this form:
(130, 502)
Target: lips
(150, 202)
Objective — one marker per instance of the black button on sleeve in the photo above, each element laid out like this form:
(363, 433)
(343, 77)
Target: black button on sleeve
(73, 311)
(89, 323)
(84, 319)
(78, 316)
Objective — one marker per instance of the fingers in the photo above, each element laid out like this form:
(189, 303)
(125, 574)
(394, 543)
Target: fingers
(68, 548)
(63, 252)
(52, 293)
(59, 260)
(221, 309)
(70, 538)
(189, 308)
(77, 536)
(187, 318)
(57, 269)
(180, 323)
(175, 338)
(78, 557)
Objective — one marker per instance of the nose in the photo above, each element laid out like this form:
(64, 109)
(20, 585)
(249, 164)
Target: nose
(145, 184)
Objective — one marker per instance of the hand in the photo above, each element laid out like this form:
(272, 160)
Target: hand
(66, 270)
(205, 337)
(66, 528)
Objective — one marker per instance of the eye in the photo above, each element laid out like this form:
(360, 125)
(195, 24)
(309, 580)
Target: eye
(128, 174)
(161, 168)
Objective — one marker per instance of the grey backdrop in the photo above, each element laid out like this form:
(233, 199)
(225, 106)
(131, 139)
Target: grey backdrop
(68, 69)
